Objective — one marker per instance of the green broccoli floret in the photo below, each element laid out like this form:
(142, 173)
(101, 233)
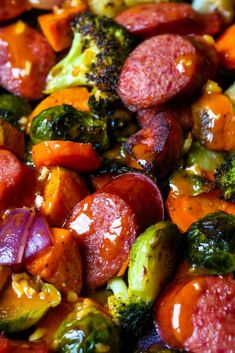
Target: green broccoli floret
(63, 122)
(153, 259)
(225, 179)
(98, 51)
(210, 244)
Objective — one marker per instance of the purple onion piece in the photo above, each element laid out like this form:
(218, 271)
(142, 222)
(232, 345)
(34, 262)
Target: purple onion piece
(39, 237)
(14, 230)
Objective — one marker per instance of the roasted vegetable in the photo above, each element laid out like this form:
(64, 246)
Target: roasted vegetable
(202, 161)
(210, 243)
(108, 8)
(225, 179)
(213, 119)
(14, 110)
(24, 301)
(186, 183)
(153, 259)
(98, 51)
(87, 330)
(63, 122)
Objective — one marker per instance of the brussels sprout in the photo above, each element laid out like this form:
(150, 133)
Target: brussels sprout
(200, 160)
(24, 301)
(183, 183)
(14, 110)
(108, 8)
(64, 122)
(225, 179)
(153, 259)
(210, 243)
(87, 330)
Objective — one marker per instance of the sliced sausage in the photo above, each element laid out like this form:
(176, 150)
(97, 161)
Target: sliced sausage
(198, 314)
(105, 227)
(149, 20)
(12, 173)
(181, 113)
(158, 146)
(141, 194)
(25, 60)
(163, 68)
(12, 8)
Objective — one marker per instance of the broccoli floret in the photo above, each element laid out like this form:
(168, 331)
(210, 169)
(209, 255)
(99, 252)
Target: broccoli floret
(153, 259)
(210, 243)
(87, 330)
(98, 51)
(64, 122)
(225, 179)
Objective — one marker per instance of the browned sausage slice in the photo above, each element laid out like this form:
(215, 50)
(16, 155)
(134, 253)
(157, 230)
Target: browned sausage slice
(25, 60)
(141, 194)
(105, 228)
(12, 8)
(182, 114)
(165, 67)
(158, 146)
(151, 19)
(197, 314)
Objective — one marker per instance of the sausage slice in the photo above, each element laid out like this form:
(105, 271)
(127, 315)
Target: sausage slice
(165, 67)
(105, 227)
(149, 20)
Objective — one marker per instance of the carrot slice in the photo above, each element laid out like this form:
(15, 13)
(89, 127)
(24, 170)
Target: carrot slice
(80, 157)
(62, 191)
(59, 264)
(56, 26)
(225, 46)
(183, 210)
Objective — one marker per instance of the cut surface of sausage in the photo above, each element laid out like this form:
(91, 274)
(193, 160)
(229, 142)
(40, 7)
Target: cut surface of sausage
(105, 228)
(141, 194)
(25, 60)
(158, 146)
(182, 115)
(198, 314)
(163, 68)
(148, 20)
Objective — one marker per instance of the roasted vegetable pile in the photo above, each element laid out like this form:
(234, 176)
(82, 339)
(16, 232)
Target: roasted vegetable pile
(117, 176)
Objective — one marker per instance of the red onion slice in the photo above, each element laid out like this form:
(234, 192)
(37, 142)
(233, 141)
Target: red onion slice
(45, 4)
(39, 237)
(22, 235)
(14, 232)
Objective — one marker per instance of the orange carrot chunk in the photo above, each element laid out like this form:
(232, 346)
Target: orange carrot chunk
(59, 264)
(56, 26)
(225, 46)
(183, 210)
(62, 191)
(80, 157)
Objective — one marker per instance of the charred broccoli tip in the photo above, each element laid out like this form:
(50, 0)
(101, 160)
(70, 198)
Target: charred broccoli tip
(98, 51)
(225, 179)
